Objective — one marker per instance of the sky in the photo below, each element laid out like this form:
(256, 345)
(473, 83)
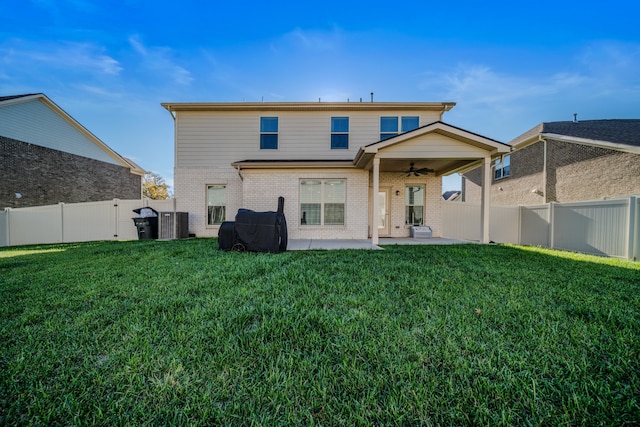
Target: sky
(508, 65)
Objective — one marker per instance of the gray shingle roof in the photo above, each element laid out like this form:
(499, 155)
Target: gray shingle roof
(618, 131)
(6, 98)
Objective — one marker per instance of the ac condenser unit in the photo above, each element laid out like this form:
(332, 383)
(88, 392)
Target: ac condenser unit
(173, 225)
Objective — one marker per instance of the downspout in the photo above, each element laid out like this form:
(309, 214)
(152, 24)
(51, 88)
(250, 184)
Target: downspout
(175, 147)
(239, 173)
(544, 167)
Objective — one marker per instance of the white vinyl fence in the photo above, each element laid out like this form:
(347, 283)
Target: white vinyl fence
(600, 227)
(76, 222)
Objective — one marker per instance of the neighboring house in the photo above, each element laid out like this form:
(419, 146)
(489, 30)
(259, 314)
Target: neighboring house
(452, 196)
(327, 160)
(46, 157)
(565, 162)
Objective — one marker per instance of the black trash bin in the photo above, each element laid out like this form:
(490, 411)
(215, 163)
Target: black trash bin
(146, 223)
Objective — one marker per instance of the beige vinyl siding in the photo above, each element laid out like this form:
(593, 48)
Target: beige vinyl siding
(206, 139)
(36, 123)
(433, 146)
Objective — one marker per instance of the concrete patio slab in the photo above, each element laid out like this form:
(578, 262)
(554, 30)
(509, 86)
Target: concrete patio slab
(332, 244)
(411, 241)
(328, 244)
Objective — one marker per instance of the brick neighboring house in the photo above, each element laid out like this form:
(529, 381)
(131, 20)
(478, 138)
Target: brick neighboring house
(347, 170)
(47, 157)
(565, 162)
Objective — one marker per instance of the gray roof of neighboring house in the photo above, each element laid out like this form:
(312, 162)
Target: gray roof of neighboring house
(6, 98)
(447, 195)
(618, 131)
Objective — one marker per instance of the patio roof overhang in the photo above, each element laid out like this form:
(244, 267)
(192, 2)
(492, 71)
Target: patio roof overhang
(439, 146)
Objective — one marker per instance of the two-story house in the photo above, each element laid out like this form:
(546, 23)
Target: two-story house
(347, 170)
(566, 161)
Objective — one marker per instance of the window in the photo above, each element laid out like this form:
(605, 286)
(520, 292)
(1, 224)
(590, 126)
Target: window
(216, 204)
(410, 123)
(503, 167)
(389, 125)
(339, 133)
(268, 133)
(414, 205)
(322, 201)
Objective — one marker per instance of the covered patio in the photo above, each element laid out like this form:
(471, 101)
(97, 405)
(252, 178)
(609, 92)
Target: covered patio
(436, 149)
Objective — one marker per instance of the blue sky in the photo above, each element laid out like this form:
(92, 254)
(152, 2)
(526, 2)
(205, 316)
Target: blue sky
(507, 65)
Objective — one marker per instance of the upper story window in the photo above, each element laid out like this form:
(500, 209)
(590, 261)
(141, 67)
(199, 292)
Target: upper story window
(503, 167)
(410, 123)
(268, 133)
(339, 132)
(389, 125)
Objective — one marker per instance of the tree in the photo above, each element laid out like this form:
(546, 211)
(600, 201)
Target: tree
(154, 187)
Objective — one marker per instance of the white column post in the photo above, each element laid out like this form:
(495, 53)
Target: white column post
(485, 205)
(375, 207)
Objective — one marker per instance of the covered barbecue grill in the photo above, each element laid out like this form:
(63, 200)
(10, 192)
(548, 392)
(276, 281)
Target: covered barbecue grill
(255, 231)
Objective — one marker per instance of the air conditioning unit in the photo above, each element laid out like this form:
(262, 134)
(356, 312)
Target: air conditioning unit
(173, 225)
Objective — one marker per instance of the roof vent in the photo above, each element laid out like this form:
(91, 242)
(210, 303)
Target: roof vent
(575, 117)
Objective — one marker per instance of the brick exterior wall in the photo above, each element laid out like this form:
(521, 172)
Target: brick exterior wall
(44, 176)
(575, 172)
(580, 172)
(433, 195)
(263, 187)
(190, 191)
(259, 190)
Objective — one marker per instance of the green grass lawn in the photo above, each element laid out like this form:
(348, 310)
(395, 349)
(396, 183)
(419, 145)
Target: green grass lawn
(162, 333)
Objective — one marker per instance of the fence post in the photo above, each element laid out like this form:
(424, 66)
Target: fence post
(116, 216)
(8, 225)
(552, 222)
(631, 229)
(61, 204)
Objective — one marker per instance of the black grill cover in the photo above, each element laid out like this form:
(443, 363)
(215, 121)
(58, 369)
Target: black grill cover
(261, 231)
(226, 236)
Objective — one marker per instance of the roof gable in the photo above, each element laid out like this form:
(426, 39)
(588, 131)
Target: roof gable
(617, 134)
(448, 147)
(37, 120)
(443, 129)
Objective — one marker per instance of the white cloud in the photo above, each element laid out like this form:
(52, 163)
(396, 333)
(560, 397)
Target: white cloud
(100, 91)
(83, 57)
(159, 60)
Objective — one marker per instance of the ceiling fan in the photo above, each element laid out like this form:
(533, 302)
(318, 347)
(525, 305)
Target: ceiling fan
(417, 171)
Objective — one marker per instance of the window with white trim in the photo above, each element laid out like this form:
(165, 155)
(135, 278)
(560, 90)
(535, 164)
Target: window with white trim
(339, 133)
(268, 133)
(503, 167)
(322, 201)
(216, 204)
(414, 205)
(389, 125)
(410, 123)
